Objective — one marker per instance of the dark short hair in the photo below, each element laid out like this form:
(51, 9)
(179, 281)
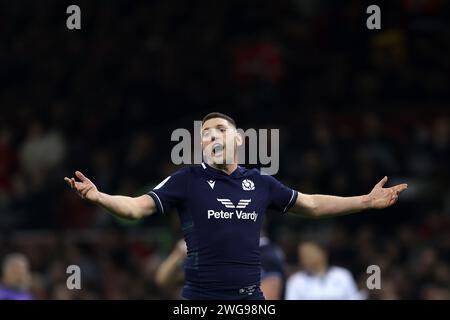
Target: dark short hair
(219, 115)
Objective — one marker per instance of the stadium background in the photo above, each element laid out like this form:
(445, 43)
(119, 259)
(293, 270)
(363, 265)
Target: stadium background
(352, 105)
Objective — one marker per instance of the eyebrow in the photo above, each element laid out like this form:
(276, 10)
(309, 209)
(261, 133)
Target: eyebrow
(217, 126)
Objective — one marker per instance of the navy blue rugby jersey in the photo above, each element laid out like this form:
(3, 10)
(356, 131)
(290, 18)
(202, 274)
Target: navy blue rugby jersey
(221, 218)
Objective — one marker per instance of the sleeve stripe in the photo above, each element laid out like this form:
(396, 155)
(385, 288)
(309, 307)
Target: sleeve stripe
(291, 201)
(159, 202)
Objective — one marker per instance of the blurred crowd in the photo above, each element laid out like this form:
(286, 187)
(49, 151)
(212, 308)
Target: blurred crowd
(413, 260)
(352, 105)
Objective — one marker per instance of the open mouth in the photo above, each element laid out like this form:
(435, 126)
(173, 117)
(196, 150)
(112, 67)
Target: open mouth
(217, 149)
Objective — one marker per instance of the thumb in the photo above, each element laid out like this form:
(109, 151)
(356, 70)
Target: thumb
(382, 182)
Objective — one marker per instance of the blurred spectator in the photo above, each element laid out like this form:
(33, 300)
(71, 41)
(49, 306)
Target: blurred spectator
(170, 274)
(318, 280)
(42, 151)
(16, 278)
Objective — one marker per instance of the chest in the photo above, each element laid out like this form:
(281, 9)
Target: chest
(228, 195)
(228, 199)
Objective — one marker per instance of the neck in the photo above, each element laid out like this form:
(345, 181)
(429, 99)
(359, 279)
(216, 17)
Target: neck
(320, 269)
(227, 168)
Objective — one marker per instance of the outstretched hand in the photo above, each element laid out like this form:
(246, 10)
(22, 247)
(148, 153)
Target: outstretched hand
(381, 198)
(85, 188)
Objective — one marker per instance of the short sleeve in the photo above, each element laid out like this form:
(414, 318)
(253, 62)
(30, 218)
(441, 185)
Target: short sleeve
(171, 192)
(282, 198)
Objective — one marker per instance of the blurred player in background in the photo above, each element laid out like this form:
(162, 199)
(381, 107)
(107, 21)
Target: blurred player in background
(273, 269)
(170, 277)
(16, 278)
(318, 280)
(221, 207)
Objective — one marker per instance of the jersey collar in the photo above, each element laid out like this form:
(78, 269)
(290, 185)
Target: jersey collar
(216, 172)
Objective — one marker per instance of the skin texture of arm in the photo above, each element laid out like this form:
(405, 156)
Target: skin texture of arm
(122, 206)
(321, 206)
(271, 286)
(168, 273)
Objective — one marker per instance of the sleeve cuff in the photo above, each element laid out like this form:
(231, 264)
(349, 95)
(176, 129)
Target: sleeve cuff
(158, 202)
(291, 201)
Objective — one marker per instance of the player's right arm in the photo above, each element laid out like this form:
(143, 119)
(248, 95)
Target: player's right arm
(122, 206)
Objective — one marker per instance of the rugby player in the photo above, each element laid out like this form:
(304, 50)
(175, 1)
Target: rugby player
(221, 206)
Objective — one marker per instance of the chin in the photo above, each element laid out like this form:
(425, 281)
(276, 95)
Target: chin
(218, 162)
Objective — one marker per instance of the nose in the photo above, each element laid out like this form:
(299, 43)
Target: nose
(214, 135)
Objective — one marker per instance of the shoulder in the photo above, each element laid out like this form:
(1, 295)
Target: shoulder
(341, 273)
(180, 175)
(186, 171)
(268, 179)
(246, 172)
(256, 175)
(297, 278)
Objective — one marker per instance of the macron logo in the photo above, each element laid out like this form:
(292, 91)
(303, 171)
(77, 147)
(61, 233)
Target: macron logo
(243, 203)
(211, 183)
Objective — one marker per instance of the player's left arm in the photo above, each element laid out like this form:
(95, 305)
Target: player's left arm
(320, 206)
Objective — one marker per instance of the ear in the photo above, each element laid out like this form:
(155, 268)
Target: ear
(239, 139)
(201, 137)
